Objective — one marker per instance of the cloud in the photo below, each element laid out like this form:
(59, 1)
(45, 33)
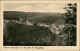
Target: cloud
(40, 5)
(23, 8)
(39, 8)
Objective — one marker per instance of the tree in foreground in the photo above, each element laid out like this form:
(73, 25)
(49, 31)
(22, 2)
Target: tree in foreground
(71, 23)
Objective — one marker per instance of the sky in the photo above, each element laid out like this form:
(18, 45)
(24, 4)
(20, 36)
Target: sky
(36, 7)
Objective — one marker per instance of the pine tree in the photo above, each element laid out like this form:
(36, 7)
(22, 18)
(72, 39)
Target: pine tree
(71, 23)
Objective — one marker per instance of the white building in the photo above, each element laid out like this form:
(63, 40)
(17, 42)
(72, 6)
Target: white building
(28, 23)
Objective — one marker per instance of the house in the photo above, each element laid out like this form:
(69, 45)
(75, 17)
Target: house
(28, 23)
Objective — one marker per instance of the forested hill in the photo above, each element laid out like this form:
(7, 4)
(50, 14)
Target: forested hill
(35, 16)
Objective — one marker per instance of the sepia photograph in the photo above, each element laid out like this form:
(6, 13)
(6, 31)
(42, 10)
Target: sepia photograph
(40, 24)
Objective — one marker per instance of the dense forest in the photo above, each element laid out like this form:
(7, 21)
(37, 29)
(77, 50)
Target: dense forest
(35, 17)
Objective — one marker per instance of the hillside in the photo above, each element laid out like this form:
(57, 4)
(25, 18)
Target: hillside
(34, 17)
(19, 34)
